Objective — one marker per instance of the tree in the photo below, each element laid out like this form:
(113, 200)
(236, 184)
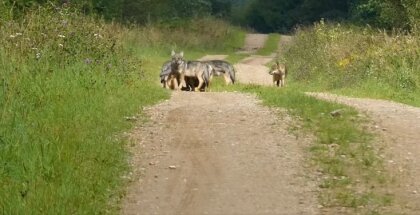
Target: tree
(382, 13)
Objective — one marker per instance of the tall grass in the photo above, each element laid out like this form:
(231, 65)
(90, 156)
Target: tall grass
(357, 61)
(204, 34)
(67, 82)
(66, 86)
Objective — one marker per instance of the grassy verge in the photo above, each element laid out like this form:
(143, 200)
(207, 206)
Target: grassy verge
(65, 90)
(64, 94)
(357, 61)
(271, 45)
(351, 170)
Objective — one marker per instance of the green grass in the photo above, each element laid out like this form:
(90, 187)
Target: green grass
(271, 45)
(343, 152)
(65, 90)
(60, 140)
(356, 61)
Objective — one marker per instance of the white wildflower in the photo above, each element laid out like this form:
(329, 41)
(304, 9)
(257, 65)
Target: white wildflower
(12, 36)
(38, 55)
(61, 45)
(97, 35)
(61, 36)
(18, 34)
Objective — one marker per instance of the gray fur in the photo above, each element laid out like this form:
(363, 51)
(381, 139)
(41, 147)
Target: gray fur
(221, 67)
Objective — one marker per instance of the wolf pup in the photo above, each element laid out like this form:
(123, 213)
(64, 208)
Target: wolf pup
(169, 75)
(166, 77)
(193, 82)
(192, 69)
(279, 72)
(221, 67)
(195, 70)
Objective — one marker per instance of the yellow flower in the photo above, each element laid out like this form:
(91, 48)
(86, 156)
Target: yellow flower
(344, 62)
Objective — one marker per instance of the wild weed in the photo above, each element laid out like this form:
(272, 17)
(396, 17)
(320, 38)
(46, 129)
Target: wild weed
(358, 61)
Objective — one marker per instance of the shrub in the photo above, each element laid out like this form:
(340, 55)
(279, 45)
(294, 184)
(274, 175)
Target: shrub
(336, 57)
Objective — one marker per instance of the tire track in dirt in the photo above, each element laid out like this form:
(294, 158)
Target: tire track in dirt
(398, 127)
(228, 155)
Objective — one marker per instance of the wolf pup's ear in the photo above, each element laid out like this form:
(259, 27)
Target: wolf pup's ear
(181, 54)
(172, 53)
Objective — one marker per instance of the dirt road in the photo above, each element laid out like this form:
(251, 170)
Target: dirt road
(224, 153)
(218, 153)
(253, 42)
(253, 69)
(398, 126)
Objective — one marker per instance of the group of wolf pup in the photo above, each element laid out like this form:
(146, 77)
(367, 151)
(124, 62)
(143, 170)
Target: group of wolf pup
(180, 74)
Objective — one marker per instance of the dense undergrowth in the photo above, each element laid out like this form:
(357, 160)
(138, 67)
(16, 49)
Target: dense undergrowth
(66, 83)
(357, 61)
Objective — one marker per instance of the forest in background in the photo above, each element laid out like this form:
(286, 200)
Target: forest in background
(261, 15)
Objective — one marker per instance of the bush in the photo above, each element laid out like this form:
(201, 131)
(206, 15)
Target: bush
(337, 57)
(66, 84)
(204, 33)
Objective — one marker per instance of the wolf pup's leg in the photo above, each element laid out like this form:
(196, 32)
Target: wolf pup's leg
(227, 78)
(200, 84)
(181, 82)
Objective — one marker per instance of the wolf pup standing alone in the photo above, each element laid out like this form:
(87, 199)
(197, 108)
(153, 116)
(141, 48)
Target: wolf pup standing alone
(279, 72)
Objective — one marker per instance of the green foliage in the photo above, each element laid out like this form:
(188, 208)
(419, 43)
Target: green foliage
(201, 34)
(65, 88)
(221, 8)
(357, 60)
(67, 82)
(385, 14)
(143, 12)
(284, 15)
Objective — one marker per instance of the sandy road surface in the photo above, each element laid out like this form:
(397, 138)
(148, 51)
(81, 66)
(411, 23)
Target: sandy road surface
(253, 42)
(213, 57)
(398, 126)
(218, 153)
(253, 70)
